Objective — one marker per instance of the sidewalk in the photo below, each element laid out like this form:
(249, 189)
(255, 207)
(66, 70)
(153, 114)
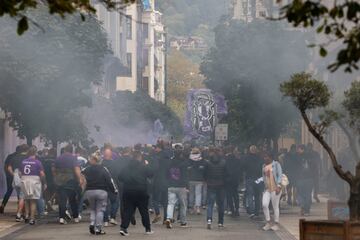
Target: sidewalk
(7, 220)
(290, 216)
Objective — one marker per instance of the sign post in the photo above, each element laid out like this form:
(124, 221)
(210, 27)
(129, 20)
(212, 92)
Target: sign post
(221, 133)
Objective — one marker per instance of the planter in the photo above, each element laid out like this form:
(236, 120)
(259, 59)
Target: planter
(329, 230)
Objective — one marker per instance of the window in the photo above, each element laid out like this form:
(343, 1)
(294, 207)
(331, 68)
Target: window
(128, 27)
(146, 30)
(146, 57)
(145, 84)
(129, 62)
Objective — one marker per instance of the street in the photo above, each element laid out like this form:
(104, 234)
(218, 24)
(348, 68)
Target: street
(241, 228)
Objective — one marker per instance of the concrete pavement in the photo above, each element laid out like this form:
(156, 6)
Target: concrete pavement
(240, 228)
(236, 228)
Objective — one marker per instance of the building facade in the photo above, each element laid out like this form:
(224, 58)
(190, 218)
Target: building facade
(248, 10)
(138, 39)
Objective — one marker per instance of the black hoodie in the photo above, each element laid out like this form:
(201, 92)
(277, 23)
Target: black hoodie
(99, 178)
(177, 172)
(134, 176)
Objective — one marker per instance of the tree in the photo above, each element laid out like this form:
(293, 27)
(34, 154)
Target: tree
(18, 9)
(45, 76)
(139, 109)
(338, 20)
(182, 76)
(245, 65)
(308, 93)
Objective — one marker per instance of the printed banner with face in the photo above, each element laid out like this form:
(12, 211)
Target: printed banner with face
(204, 108)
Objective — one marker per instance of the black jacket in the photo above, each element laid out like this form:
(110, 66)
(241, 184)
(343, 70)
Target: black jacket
(233, 169)
(162, 160)
(134, 176)
(253, 165)
(196, 170)
(99, 178)
(111, 165)
(215, 172)
(177, 173)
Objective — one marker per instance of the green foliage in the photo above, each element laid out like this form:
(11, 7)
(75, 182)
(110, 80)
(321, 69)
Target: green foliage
(246, 65)
(339, 21)
(306, 92)
(188, 17)
(352, 104)
(45, 75)
(19, 9)
(182, 76)
(135, 109)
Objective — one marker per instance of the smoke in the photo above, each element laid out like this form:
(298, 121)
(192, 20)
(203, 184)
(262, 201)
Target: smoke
(104, 126)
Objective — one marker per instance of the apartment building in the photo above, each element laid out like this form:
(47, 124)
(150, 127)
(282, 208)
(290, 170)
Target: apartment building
(144, 54)
(248, 10)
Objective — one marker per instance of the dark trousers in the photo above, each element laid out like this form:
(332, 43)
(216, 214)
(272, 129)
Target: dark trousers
(216, 195)
(160, 198)
(253, 197)
(131, 201)
(9, 189)
(232, 197)
(316, 181)
(66, 195)
(304, 188)
(112, 206)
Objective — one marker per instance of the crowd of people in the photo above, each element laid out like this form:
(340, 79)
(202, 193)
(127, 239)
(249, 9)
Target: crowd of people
(168, 180)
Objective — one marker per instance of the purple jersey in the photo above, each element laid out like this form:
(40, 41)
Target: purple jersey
(31, 167)
(66, 161)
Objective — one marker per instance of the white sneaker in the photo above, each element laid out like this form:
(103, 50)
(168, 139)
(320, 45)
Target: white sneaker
(275, 227)
(113, 221)
(267, 227)
(80, 217)
(209, 224)
(149, 233)
(106, 224)
(76, 220)
(62, 221)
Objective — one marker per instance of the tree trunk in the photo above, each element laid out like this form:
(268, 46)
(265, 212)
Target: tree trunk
(275, 145)
(354, 204)
(29, 141)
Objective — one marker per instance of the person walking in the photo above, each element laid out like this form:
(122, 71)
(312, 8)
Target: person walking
(315, 162)
(67, 177)
(178, 187)
(215, 176)
(233, 169)
(99, 184)
(14, 170)
(196, 179)
(252, 168)
(272, 175)
(160, 187)
(305, 182)
(9, 180)
(291, 166)
(113, 198)
(135, 193)
(32, 178)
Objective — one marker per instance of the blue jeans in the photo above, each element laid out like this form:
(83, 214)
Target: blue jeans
(216, 195)
(304, 189)
(253, 196)
(177, 195)
(112, 206)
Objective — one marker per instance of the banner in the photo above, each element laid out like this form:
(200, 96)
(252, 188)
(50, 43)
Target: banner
(203, 110)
